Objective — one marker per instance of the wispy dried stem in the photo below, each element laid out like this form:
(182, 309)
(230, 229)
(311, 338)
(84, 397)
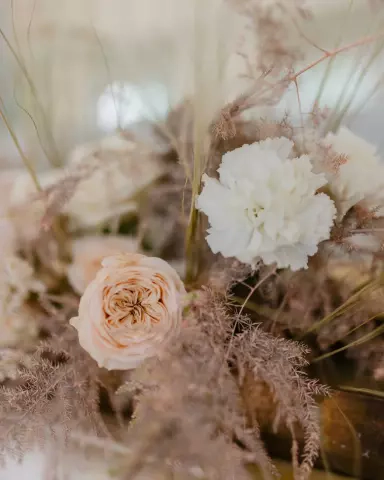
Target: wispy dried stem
(332, 53)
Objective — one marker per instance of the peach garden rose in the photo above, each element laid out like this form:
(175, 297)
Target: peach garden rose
(130, 311)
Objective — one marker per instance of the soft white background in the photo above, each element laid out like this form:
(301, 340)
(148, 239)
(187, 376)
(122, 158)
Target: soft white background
(74, 49)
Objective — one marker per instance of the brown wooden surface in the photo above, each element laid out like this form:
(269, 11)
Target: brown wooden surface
(352, 431)
(285, 470)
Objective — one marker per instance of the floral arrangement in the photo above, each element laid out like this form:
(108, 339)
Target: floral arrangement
(147, 294)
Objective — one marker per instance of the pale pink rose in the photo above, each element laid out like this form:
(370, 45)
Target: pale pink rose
(130, 311)
(89, 251)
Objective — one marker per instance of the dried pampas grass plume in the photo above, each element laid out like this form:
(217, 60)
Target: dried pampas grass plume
(191, 404)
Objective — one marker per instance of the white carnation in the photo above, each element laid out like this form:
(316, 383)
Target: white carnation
(265, 206)
(360, 178)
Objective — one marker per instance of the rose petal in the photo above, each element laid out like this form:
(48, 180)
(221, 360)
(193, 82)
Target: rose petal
(130, 310)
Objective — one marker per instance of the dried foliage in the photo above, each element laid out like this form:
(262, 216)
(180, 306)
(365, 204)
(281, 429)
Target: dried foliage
(190, 406)
(336, 307)
(10, 362)
(225, 273)
(199, 409)
(271, 24)
(194, 401)
(55, 392)
(266, 357)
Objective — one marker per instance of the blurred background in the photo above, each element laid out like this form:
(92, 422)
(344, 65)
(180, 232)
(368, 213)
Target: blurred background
(72, 71)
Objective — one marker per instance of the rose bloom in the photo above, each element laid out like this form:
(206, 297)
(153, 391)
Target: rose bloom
(121, 171)
(89, 251)
(130, 311)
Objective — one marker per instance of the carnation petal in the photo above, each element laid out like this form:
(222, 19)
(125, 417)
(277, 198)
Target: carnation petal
(359, 178)
(266, 205)
(281, 145)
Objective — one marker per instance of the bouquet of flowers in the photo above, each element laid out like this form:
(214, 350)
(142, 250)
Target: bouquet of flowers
(167, 297)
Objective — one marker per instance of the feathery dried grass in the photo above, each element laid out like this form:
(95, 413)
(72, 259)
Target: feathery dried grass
(56, 391)
(335, 307)
(190, 404)
(271, 23)
(279, 363)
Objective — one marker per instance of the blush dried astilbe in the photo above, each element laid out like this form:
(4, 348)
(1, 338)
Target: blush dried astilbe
(350, 328)
(57, 196)
(11, 360)
(189, 411)
(229, 130)
(245, 133)
(190, 405)
(225, 273)
(279, 363)
(56, 391)
(271, 23)
(296, 303)
(358, 238)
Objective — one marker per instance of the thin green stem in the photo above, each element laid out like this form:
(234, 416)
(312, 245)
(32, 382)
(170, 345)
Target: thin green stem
(109, 77)
(369, 336)
(332, 60)
(335, 123)
(366, 391)
(29, 30)
(199, 132)
(355, 439)
(190, 249)
(248, 304)
(23, 157)
(357, 43)
(33, 123)
(345, 306)
(55, 158)
(368, 98)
